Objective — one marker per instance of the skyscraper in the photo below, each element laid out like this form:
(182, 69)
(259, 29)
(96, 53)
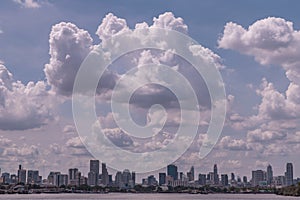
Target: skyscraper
(21, 175)
(104, 175)
(202, 179)
(74, 176)
(118, 179)
(232, 177)
(162, 178)
(191, 174)
(172, 171)
(33, 177)
(133, 178)
(257, 176)
(289, 174)
(224, 179)
(126, 178)
(216, 176)
(269, 175)
(94, 172)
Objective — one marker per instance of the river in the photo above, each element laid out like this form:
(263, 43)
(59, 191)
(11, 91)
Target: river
(126, 196)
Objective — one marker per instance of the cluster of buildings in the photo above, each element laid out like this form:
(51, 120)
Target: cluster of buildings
(266, 178)
(172, 177)
(125, 179)
(259, 178)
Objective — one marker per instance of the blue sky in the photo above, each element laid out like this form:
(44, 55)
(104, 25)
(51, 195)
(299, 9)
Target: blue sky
(25, 28)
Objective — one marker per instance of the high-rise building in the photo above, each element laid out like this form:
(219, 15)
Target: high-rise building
(232, 177)
(191, 174)
(53, 178)
(92, 178)
(269, 175)
(21, 175)
(118, 179)
(151, 180)
(162, 178)
(94, 172)
(210, 178)
(62, 179)
(104, 175)
(6, 177)
(172, 171)
(133, 178)
(74, 176)
(33, 177)
(289, 174)
(13, 178)
(181, 176)
(216, 176)
(279, 181)
(126, 178)
(245, 181)
(257, 177)
(224, 180)
(202, 179)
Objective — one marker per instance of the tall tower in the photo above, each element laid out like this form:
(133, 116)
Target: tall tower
(172, 171)
(105, 177)
(94, 169)
(21, 175)
(289, 174)
(269, 175)
(216, 176)
(192, 174)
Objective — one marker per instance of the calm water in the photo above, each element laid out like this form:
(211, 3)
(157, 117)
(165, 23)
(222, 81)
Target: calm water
(117, 196)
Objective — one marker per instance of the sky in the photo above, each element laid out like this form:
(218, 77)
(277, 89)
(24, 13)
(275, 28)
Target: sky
(253, 44)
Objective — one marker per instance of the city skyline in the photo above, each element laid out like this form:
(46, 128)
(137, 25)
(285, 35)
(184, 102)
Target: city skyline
(253, 46)
(171, 176)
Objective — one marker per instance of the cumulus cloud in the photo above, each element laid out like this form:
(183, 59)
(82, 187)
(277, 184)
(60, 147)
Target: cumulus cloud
(233, 144)
(69, 45)
(69, 129)
(271, 41)
(75, 142)
(23, 106)
(169, 21)
(110, 26)
(25, 151)
(28, 3)
(258, 135)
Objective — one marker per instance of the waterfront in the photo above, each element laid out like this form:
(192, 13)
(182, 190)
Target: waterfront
(117, 196)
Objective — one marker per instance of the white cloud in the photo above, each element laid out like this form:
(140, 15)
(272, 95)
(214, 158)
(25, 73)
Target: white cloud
(28, 3)
(27, 152)
(110, 26)
(169, 21)
(56, 149)
(69, 45)
(4, 142)
(259, 135)
(271, 41)
(69, 129)
(233, 144)
(23, 106)
(261, 164)
(75, 142)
